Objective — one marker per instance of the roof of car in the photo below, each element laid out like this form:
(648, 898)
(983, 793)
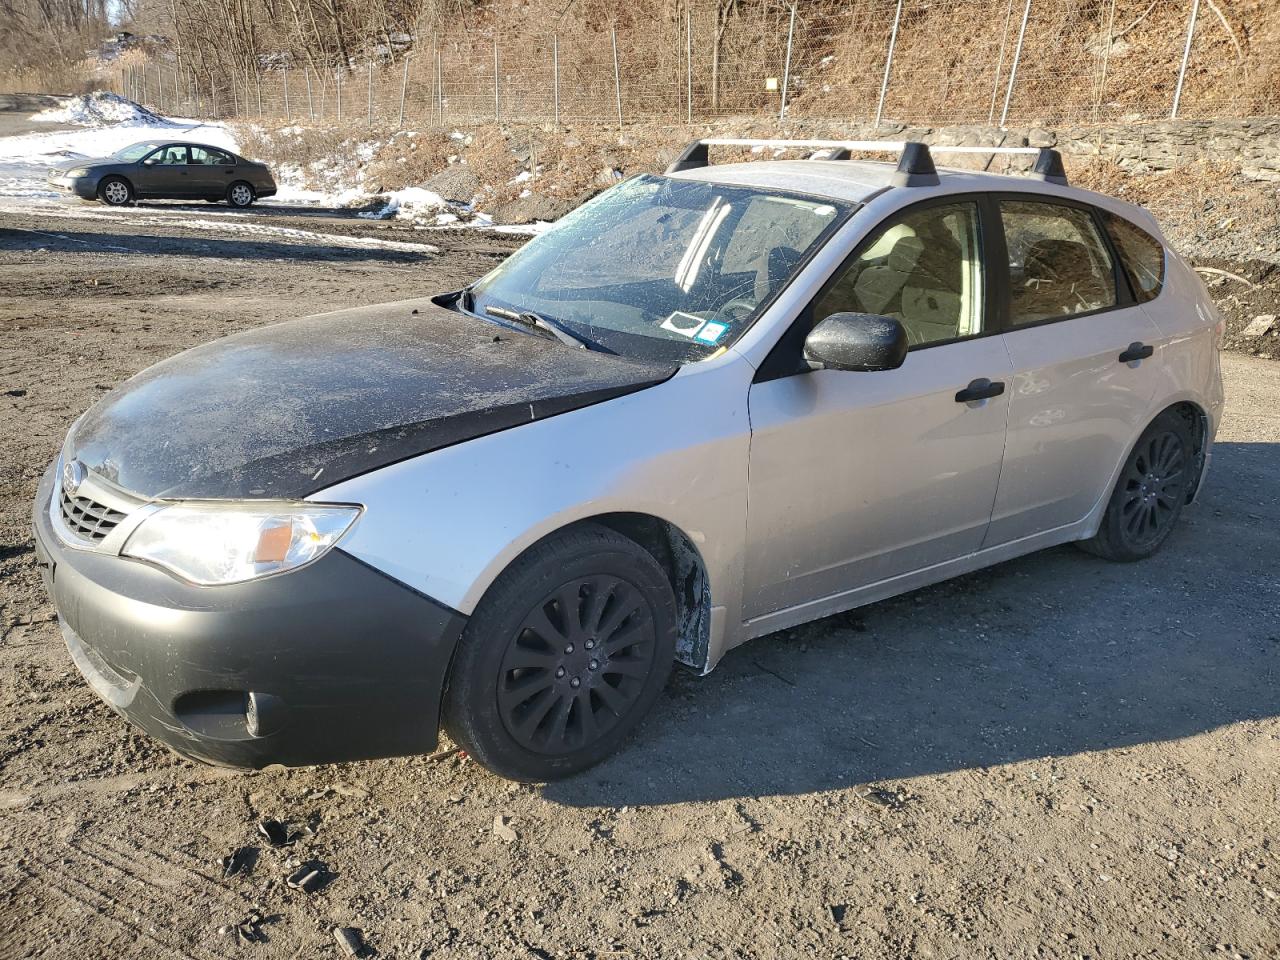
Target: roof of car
(856, 181)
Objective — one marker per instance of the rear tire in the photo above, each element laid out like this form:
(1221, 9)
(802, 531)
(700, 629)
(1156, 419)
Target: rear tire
(116, 191)
(1150, 493)
(240, 194)
(564, 657)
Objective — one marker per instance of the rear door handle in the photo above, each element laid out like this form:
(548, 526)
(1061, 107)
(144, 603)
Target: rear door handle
(980, 389)
(1137, 351)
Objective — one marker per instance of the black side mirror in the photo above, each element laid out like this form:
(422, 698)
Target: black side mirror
(857, 341)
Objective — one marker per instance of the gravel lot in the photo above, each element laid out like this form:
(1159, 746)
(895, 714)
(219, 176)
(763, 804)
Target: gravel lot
(1068, 758)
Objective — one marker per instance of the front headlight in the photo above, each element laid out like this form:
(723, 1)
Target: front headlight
(77, 172)
(218, 543)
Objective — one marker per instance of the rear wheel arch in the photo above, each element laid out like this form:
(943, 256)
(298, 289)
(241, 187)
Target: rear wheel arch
(1198, 421)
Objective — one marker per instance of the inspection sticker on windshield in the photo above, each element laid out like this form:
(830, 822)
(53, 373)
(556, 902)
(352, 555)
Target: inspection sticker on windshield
(711, 332)
(685, 324)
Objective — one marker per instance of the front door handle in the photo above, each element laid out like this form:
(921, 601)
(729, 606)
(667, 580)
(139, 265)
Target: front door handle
(1137, 351)
(980, 389)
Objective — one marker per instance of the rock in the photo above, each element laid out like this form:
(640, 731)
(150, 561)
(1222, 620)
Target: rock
(533, 208)
(503, 830)
(277, 833)
(1260, 325)
(349, 940)
(456, 184)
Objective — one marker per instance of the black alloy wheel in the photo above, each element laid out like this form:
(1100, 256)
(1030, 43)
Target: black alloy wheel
(1150, 493)
(576, 665)
(564, 656)
(1155, 485)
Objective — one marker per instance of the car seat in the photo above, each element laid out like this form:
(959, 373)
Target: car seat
(932, 294)
(878, 286)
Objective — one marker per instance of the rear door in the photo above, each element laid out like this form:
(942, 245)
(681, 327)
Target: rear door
(1085, 361)
(857, 477)
(211, 171)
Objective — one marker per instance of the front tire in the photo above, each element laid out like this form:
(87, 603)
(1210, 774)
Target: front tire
(240, 194)
(564, 657)
(115, 191)
(1150, 493)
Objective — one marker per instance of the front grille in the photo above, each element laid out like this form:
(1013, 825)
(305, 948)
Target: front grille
(87, 518)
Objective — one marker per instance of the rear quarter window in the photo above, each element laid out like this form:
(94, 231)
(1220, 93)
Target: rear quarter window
(1141, 256)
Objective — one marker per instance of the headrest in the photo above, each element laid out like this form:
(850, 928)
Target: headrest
(905, 254)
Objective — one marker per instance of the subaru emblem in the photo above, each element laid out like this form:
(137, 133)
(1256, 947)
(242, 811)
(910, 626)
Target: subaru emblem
(73, 475)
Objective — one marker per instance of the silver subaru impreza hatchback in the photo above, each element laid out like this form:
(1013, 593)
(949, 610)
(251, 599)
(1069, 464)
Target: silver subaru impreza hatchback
(703, 407)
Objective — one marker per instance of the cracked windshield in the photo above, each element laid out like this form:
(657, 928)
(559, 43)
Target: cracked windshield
(662, 268)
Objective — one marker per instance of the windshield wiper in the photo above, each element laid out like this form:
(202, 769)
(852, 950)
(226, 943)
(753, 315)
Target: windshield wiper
(536, 321)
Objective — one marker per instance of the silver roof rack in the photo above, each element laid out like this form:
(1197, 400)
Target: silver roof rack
(915, 160)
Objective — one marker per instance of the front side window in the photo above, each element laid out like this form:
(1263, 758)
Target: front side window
(1058, 263)
(663, 268)
(924, 269)
(169, 156)
(1141, 256)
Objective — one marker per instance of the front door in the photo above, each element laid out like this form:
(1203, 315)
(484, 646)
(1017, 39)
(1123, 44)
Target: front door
(859, 477)
(164, 173)
(1085, 358)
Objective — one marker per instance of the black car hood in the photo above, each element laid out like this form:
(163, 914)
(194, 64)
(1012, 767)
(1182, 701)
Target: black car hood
(288, 409)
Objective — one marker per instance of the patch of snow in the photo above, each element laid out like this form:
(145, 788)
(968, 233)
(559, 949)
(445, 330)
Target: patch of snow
(408, 204)
(99, 109)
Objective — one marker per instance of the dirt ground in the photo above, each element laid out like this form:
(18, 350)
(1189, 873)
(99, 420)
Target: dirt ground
(1069, 758)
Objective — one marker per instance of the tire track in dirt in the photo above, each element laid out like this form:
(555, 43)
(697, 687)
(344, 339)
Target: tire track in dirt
(105, 905)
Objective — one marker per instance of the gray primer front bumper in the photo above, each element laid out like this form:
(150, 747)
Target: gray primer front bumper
(344, 662)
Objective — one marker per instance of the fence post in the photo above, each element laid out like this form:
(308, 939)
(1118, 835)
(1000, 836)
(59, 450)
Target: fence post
(1186, 56)
(688, 65)
(338, 94)
(888, 63)
(440, 84)
(235, 98)
(1106, 60)
(617, 74)
(369, 109)
(1004, 42)
(306, 75)
(497, 111)
(786, 68)
(257, 81)
(160, 88)
(555, 76)
(1013, 67)
(404, 88)
(288, 114)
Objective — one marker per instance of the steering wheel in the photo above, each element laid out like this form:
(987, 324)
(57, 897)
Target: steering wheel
(739, 308)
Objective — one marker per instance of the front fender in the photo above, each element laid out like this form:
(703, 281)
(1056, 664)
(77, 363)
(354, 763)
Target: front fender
(449, 522)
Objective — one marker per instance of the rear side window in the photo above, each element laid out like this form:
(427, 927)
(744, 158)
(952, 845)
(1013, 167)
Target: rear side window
(1141, 255)
(1058, 262)
(209, 156)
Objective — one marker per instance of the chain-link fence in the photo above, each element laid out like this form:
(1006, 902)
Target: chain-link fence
(1007, 62)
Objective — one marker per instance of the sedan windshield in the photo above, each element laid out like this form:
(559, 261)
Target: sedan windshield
(662, 268)
(136, 152)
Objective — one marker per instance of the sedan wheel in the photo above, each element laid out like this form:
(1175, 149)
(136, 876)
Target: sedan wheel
(1151, 492)
(240, 195)
(116, 192)
(576, 665)
(563, 658)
